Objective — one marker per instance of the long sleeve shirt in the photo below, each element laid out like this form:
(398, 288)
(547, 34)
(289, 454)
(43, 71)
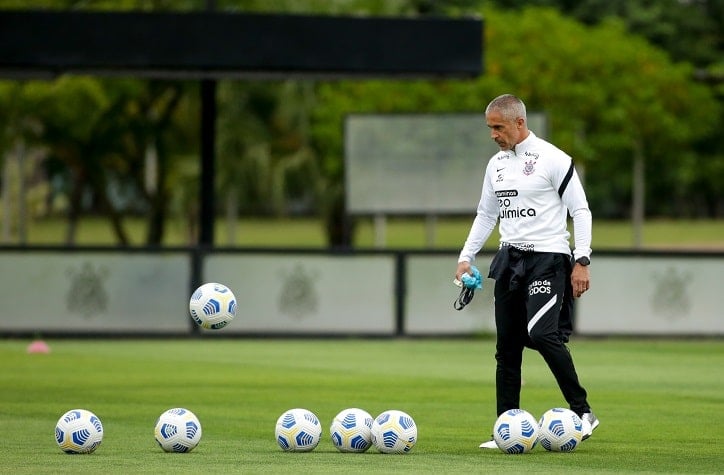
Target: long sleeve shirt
(531, 190)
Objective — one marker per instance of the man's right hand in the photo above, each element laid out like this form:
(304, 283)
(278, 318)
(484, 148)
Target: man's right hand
(463, 268)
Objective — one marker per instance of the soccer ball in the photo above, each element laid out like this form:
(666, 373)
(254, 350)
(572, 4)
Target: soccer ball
(561, 430)
(178, 430)
(351, 430)
(516, 431)
(298, 430)
(78, 431)
(394, 432)
(212, 306)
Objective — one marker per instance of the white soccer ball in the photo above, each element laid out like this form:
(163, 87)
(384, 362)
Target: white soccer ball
(178, 430)
(298, 430)
(78, 431)
(561, 430)
(394, 432)
(351, 430)
(212, 306)
(516, 431)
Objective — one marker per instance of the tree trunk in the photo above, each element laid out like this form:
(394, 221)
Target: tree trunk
(6, 197)
(638, 204)
(100, 186)
(232, 214)
(157, 213)
(22, 191)
(339, 225)
(74, 204)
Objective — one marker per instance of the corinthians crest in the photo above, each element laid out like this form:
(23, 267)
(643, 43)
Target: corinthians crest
(299, 297)
(670, 298)
(529, 167)
(87, 296)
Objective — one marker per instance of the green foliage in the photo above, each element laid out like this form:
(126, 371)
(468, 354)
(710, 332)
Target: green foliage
(269, 166)
(650, 395)
(600, 106)
(70, 106)
(688, 30)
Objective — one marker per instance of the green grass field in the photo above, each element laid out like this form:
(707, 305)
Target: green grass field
(660, 403)
(409, 233)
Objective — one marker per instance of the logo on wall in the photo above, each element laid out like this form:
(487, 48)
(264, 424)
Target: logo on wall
(87, 296)
(671, 298)
(299, 297)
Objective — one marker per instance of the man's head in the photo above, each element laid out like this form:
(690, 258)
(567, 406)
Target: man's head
(506, 119)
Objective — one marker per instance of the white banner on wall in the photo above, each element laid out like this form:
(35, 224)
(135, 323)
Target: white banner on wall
(430, 295)
(307, 294)
(418, 163)
(653, 295)
(94, 292)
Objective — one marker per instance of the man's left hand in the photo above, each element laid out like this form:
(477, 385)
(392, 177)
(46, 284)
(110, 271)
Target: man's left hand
(580, 279)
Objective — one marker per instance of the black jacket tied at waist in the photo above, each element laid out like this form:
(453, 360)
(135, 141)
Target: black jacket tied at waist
(509, 264)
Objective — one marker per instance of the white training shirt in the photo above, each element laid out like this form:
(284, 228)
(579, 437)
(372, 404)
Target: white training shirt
(521, 189)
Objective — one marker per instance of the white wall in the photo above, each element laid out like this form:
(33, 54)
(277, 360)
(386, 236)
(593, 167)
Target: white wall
(653, 295)
(630, 294)
(94, 292)
(308, 294)
(291, 293)
(430, 296)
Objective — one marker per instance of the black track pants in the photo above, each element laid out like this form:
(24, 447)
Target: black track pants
(529, 294)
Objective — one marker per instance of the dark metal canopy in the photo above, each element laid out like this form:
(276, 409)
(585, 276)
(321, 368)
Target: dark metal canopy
(211, 44)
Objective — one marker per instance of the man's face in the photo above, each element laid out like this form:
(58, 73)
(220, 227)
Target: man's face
(506, 133)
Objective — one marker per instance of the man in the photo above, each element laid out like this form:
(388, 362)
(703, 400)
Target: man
(531, 186)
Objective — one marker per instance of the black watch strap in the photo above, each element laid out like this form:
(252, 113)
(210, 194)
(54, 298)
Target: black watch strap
(584, 261)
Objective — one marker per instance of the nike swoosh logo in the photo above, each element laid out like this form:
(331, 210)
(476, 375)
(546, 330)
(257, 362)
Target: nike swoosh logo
(498, 169)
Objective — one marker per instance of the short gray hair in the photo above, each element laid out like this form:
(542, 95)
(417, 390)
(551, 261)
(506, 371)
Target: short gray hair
(510, 106)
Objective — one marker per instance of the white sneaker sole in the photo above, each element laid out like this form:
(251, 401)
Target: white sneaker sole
(590, 430)
(490, 444)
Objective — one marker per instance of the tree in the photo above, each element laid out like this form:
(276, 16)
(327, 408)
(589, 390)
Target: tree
(688, 31)
(602, 108)
(268, 165)
(97, 134)
(75, 117)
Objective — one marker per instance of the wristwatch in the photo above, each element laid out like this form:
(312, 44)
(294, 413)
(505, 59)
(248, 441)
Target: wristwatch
(584, 261)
